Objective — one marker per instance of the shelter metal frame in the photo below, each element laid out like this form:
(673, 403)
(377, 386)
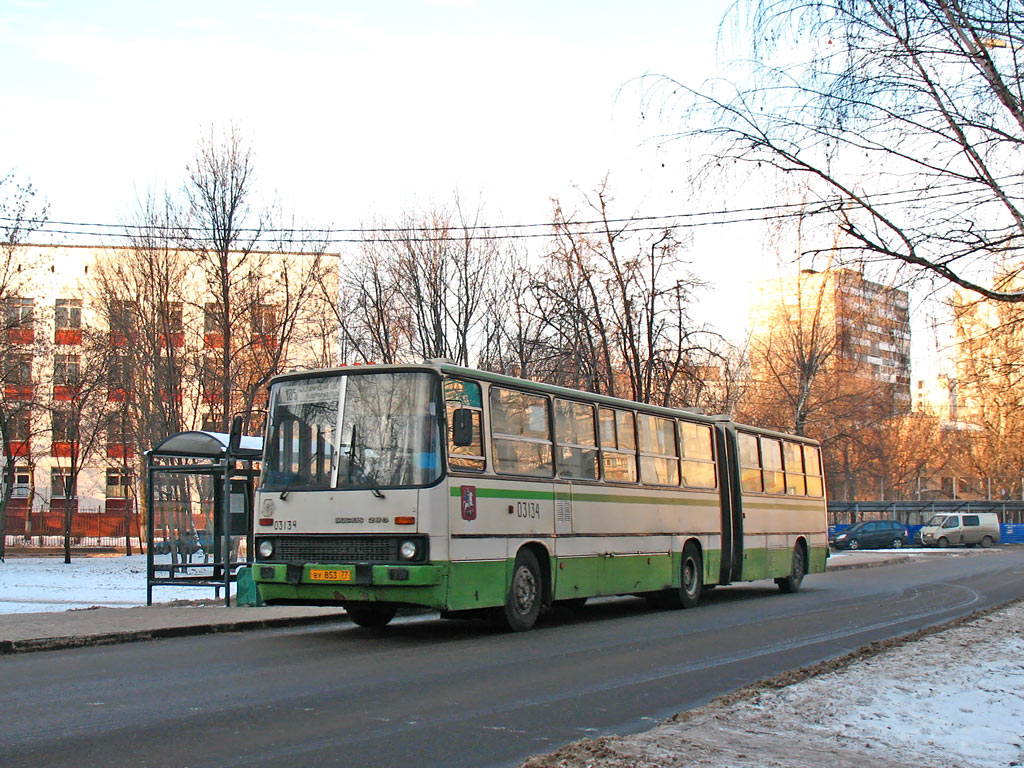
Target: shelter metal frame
(228, 459)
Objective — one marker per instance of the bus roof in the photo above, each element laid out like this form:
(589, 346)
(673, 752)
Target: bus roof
(552, 389)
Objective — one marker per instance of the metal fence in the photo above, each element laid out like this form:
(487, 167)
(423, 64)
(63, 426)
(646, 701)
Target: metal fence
(919, 512)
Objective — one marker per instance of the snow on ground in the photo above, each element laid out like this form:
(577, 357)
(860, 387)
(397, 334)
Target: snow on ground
(952, 698)
(34, 584)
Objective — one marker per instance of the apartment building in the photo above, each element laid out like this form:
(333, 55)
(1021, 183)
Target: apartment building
(62, 322)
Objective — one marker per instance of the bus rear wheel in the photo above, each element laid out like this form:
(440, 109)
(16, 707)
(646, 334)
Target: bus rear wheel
(371, 614)
(791, 583)
(525, 593)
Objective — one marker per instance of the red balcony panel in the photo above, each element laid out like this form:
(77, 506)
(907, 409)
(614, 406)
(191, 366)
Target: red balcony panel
(213, 340)
(117, 395)
(21, 335)
(168, 395)
(119, 451)
(67, 336)
(63, 449)
(212, 396)
(19, 448)
(264, 341)
(19, 391)
(63, 392)
(114, 506)
(177, 340)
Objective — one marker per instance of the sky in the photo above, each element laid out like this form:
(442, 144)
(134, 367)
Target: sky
(354, 109)
(360, 112)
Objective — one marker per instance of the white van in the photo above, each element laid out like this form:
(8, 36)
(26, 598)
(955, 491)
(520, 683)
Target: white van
(946, 530)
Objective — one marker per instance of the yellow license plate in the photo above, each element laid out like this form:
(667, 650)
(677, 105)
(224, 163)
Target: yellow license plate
(329, 574)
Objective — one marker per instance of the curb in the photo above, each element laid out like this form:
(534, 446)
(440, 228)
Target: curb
(868, 564)
(32, 645)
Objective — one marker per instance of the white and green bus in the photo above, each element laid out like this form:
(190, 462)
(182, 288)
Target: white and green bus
(480, 494)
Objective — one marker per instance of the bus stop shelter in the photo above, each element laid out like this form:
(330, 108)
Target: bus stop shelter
(199, 517)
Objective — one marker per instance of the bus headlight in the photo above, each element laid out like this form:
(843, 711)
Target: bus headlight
(266, 549)
(408, 550)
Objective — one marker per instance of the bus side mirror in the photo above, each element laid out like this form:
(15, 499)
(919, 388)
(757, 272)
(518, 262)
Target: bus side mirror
(462, 427)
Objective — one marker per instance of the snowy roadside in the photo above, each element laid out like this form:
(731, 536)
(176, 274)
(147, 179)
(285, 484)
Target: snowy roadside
(945, 697)
(38, 584)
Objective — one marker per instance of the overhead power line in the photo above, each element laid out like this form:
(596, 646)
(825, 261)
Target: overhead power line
(547, 229)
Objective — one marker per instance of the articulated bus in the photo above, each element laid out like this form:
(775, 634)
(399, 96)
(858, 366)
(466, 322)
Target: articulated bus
(480, 494)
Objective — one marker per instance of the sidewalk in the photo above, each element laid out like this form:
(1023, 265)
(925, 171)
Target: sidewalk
(26, 632)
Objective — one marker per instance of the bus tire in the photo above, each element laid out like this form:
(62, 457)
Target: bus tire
(691, 581)
(525, 594)
(372, 615)
(791, 583)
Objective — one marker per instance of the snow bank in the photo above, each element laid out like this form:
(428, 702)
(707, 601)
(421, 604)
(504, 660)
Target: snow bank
(33, 584)
(953, 699)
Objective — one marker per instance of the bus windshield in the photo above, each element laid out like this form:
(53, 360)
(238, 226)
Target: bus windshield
(364, 430)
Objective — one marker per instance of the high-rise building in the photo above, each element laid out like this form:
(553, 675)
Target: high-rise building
(837, 313)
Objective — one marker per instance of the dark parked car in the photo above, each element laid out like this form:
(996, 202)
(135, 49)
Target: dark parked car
(872, 534)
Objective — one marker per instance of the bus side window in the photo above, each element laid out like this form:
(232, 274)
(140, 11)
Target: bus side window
(618, 445)
(812, 463)
(576, 434)
(521, 433)
(771, 457)
(750, 463)
(698, 455)
(464, 396)
(795, 483)
(659, 450)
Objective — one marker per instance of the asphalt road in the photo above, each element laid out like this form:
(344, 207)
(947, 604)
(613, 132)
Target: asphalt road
(435, 693)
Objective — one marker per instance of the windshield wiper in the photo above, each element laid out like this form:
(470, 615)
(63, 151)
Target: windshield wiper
(356, 464)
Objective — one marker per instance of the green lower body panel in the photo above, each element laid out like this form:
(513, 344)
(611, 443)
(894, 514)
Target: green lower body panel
(470, 585)
(425, 585)
(818, 560)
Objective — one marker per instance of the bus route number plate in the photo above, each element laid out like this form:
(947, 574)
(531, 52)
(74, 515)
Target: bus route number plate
(329, 574)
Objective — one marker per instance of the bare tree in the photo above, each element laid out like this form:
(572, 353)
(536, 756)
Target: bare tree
(258, 279)
(20, 215)
(613, 305)
(79, 409)
(905, 117)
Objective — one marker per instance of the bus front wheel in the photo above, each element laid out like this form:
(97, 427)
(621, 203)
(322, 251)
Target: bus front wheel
(691, 581)
(523, 601)
(371, 614)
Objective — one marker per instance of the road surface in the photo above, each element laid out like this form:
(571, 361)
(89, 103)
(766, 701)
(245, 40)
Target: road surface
(448, 694)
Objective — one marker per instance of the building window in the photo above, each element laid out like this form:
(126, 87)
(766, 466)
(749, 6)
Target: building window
(213, 332)
(65, 426)
(122, 322)
(18, 369)
(66, 369)
(60, 483)
(18, 320)
(172, 332)
(19, 312)
(68, 313)
(118, 483)
(22, 488)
